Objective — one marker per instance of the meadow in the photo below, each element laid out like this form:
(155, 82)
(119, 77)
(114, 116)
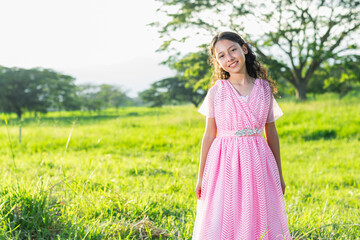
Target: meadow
(131, 173)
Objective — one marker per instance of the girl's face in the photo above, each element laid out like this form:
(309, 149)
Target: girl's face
(230, 56)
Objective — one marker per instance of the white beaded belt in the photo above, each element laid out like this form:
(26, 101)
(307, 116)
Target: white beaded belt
(240, 133)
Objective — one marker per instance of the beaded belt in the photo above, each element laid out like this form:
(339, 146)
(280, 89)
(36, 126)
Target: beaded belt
(240, 133)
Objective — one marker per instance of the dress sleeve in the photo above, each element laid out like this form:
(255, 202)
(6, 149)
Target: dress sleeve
(207, 106)
(274, 111)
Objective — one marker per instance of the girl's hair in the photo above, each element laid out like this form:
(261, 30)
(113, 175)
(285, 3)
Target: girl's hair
(253, 66)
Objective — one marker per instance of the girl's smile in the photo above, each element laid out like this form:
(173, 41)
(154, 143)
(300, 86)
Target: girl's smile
(234, 64)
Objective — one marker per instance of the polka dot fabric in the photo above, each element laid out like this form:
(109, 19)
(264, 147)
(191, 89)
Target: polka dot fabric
(241, 196)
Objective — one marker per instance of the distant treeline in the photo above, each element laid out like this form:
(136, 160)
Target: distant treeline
(42, 90)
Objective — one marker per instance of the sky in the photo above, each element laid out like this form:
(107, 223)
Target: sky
(95, 41)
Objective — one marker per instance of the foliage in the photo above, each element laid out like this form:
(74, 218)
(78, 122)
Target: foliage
(298, 37)
(343, 76)
(189, 85)
(35, 90)
(41, 90)
(194, 69)
(97, 97)
(170, 91)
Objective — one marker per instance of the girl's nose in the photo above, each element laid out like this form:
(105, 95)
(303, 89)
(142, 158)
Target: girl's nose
(229, 57)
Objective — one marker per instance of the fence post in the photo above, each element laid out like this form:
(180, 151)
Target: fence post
(20, 134)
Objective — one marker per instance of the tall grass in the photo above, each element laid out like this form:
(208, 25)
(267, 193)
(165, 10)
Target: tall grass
(10, 143)
(131, 173)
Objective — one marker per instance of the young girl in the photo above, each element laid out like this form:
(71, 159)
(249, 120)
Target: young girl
(240, 184)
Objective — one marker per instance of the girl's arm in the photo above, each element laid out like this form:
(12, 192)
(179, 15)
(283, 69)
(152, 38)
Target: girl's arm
(208, 138)
(272, 139)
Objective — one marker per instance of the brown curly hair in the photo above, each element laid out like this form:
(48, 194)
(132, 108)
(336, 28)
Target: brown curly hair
(253, 66)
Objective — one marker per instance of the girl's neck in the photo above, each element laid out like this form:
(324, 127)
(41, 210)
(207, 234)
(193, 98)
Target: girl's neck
(240, 79)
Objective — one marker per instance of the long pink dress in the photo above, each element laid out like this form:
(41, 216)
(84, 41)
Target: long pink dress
(241, 196)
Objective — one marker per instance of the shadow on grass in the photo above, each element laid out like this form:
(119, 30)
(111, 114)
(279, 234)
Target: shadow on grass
(81, 118)
(320, 134)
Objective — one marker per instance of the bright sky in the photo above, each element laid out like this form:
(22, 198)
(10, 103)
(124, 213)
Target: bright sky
(96, 41)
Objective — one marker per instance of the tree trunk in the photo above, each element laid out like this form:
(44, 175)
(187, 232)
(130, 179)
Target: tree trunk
(301, 92)
(19, 113)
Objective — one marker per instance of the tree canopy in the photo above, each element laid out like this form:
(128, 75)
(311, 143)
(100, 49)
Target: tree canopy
(299, 36)
(35, 90)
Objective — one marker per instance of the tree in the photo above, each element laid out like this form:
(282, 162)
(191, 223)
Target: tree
(89, 97)
(171, 90)
(112, 95)
(342, 76)
(189, 85)
(299, 35)
(153, 96)
(119, 98)
(95, 97)
(59, 89)
(35, 90)
(193, 70)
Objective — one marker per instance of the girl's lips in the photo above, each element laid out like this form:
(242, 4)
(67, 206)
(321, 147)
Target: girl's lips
(233, 64)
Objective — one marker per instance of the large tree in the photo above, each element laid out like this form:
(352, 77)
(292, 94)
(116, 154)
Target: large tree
(298, 36)
(35, 90)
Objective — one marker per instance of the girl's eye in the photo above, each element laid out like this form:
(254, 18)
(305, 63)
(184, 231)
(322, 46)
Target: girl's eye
(221, 56)
(233, 49)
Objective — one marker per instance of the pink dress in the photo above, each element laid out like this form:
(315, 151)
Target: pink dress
(241, 196)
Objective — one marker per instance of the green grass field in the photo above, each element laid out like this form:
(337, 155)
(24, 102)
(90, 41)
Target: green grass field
(131, 173)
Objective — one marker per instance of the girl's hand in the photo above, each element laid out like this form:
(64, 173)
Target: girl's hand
(283, 186)
(198, 189)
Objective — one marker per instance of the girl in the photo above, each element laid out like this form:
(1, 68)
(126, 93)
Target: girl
(240, 184)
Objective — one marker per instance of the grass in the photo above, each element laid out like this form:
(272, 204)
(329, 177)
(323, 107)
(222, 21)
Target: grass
(131, 173)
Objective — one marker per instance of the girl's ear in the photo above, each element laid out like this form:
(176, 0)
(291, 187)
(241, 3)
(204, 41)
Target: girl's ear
(244, 47)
